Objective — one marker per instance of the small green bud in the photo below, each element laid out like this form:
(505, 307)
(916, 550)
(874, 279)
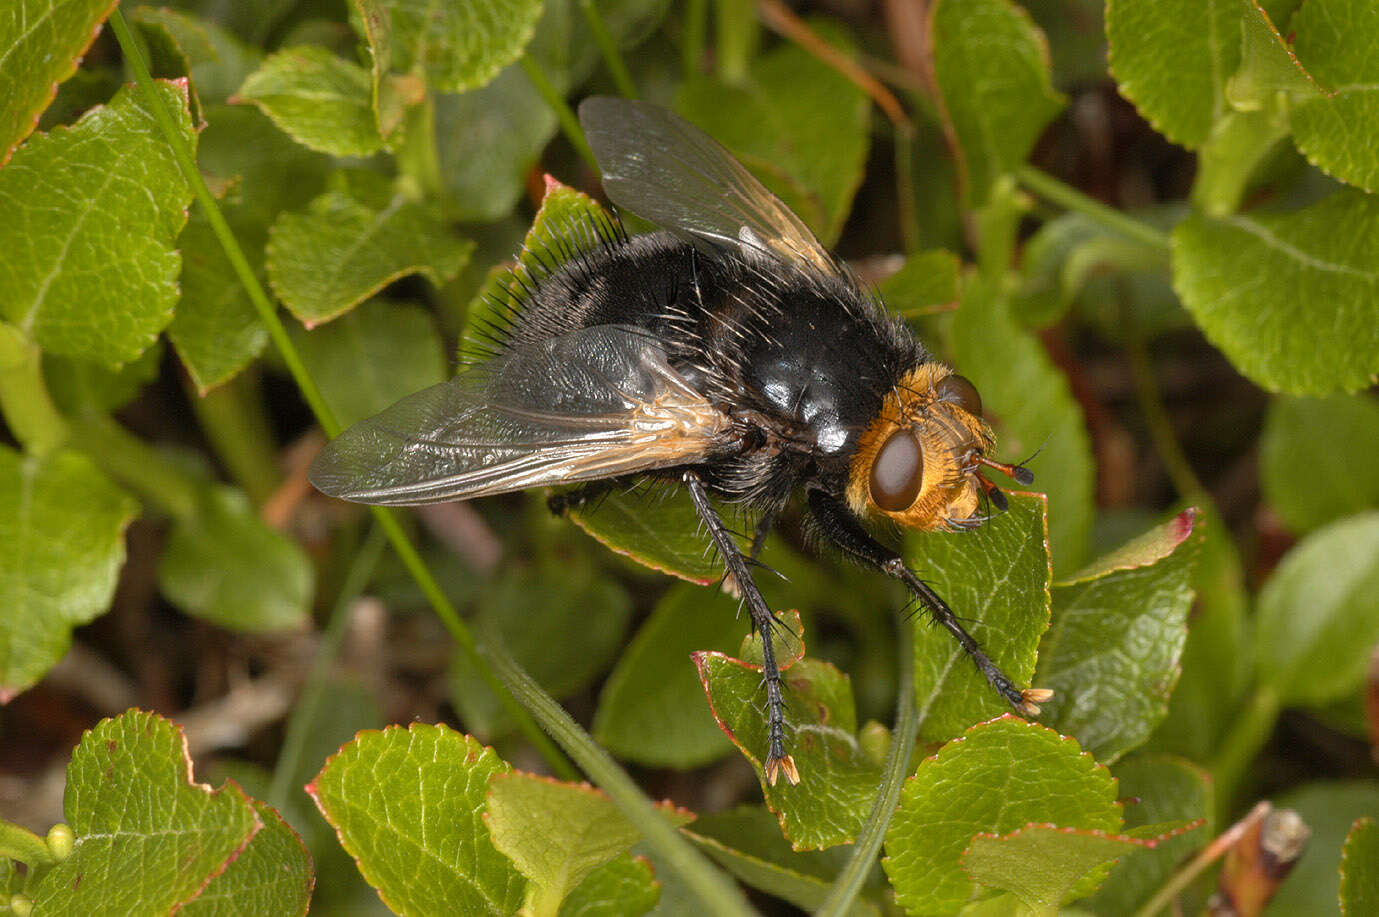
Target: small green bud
(21, 905)
(61, 839)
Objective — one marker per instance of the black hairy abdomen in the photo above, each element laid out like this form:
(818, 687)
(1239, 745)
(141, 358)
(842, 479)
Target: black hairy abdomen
(804, 359)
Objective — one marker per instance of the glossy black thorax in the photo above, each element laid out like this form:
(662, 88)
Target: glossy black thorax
(800, 361)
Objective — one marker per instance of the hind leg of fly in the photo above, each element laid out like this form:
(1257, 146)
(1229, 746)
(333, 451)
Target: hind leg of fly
(842, 528)
(777, 761)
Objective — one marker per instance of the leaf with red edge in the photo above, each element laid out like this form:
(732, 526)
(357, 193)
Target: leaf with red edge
(837, 778)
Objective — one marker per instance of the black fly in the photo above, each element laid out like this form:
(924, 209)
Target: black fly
(731, 353)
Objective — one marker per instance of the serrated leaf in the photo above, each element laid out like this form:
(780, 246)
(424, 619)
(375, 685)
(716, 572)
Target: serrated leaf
(991, 67)
(326, 261)
(999, 776)
(219, 60)
(488, 140)
(320, 100)
(557, 833)
(41, 43)
(1044, 865)
(1268, 64)
(82, 387)
(652, 710)
(62, 528)
(1172, 60)
(1158, 789)
(92, 212)
(148, 838)
(391, 94)
(368, 359)
(1111, 654)
(1291, 299)
(1329, 809)
(459, 46)
(227, 566)
(1334, 40)
(1316, 622)
(408, 805)
(927, 282)
(1032, 409)
(797, 123)
(563, 624)
(837, 778)
(996, 580)
(272, 877)
(1314, 458)
(624, 887)
(217, 332)
(747, 842)
(1360, 869)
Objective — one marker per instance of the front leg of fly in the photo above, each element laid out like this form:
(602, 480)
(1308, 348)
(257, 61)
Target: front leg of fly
(777, 761)
(842, 528)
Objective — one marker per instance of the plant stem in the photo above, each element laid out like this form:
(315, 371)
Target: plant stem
(304, 712)
(324, 416)
(735, 39)
(232, 418)
(1210, 854)
(418, 160)
(849, 882)
(569, 124)
(1249, 732)
(1065, 195)
(905, 186)
(1175, 460)
(138, 465)
(717, 893)
(28, 408)
(696, 27)
(608, 47)
(23, 845)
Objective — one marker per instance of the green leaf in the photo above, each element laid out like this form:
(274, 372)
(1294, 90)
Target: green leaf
(1159, 789)
(148, 838)
(996, 580)
(274, 173)
(558, 833)
(1268, 64)
(561, 622)
(1334, 40)
(1360, 869)
(219, 60)
(1033, 410)
(1043, 865)
(748, 843)
(408, 805)
(41, 43)
(927, 282)
(999, 776)
(326, 261)
(991, 67)
(459, 46)
(624, 887)
(1315, 456)
(319, 100)
(1111, 655)
(82, 387)
(217, 331)
(1329, 810)
(91, 215)
(652, 708)
(837, 778)
(368, 359)
(390, 94)
(62, 528)
(658, 528)
(227, 566)
(1172, 60)
(272, 876)
(1316, 622)
(1291, 299)
(797, 123)
(488, 140)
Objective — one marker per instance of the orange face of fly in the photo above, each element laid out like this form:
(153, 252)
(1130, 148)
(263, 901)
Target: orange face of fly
(919, 462)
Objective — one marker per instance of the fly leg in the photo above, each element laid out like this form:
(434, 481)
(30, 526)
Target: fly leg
(842, 528)
(764, 526)
(777, 761)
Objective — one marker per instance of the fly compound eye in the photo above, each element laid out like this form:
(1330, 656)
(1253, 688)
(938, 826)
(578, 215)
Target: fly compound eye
(960, 391)
(897, 472)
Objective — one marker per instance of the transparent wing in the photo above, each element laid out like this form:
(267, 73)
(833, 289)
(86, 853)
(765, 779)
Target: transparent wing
(596, 403)
(662, 168)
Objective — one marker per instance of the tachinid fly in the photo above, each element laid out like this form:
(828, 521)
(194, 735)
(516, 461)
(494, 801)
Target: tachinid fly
(730, 353)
